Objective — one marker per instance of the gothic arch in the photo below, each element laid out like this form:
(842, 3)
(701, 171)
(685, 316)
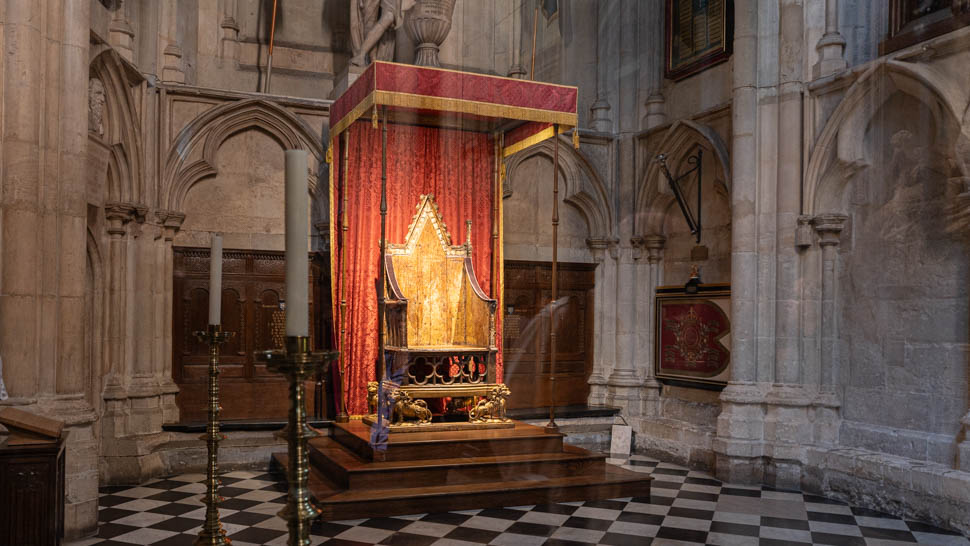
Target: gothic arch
(839, 152)
(209, 130)
(584, 190)
(654, 197)
(114, 124)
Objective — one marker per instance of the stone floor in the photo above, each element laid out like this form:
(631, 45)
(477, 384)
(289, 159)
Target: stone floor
(686, 507)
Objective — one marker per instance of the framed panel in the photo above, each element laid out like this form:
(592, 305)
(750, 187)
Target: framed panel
(698, 34)
(693, 334)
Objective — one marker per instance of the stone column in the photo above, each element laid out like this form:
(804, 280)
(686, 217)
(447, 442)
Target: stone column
(115, 393)
(739, 444)
(831, 47)
(603, 325)
(171, 221)
(829, 228)
(600, 109)
(171, 62)
(120, 33)
(229, 43)
(655, 104)
(654, 246)
(516, 70)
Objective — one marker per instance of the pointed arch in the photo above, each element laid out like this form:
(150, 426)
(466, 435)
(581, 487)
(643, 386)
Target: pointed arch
(839, 152)
(120, 129)
(584, 189)
(208, 131)
(653, 197)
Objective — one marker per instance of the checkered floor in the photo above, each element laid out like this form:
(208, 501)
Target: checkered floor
(686, 507)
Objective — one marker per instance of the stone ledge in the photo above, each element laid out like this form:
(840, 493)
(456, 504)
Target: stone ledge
(897, 485)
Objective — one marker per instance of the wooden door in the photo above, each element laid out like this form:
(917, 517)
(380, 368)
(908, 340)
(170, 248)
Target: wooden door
(528, 293)
(253, 289)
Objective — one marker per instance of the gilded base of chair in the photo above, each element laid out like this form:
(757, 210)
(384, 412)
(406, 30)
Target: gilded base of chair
(438, 427)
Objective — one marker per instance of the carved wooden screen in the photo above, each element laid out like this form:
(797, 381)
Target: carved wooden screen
(253, 287)
(528, 291)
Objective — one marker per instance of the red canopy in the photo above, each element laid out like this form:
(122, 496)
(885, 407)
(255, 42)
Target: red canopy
(523, 111)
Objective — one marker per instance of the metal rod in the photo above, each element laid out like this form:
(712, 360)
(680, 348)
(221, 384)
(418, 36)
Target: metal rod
(343, 416)
(700, 184)
(212, 532)
(535, 28)
(552, 426)
(380, 269)
(496, 197)
(269, 58)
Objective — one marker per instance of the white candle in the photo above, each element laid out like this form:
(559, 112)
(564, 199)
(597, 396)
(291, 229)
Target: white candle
(297, 259)
(215, 280)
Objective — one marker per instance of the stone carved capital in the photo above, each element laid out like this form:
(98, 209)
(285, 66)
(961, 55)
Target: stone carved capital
(829, 228)
(655, 246)
(598, 246)
(804, 235)
(118, 215)
(170, 221)
(637, 244)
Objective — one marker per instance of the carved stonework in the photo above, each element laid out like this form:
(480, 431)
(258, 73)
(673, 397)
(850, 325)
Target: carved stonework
(372, 25)
(428, 25)
(96, 100)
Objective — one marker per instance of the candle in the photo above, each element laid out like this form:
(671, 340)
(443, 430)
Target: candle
(215, 280)
(297, 259)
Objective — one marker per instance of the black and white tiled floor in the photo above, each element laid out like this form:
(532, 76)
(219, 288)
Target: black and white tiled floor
(686, 507)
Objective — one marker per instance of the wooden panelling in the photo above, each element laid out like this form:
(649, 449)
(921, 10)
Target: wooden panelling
(526, 333)
(253, 288)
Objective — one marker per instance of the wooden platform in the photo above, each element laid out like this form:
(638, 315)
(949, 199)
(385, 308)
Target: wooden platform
(456, 470)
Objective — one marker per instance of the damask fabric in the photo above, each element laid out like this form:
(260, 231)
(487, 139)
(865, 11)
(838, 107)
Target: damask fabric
(455, 166)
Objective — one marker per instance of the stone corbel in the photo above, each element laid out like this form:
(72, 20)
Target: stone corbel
(171, 222)
(637, 244)
(118, 215)
(829, 228)
(599, 245)
(655, 246)
(804, 235)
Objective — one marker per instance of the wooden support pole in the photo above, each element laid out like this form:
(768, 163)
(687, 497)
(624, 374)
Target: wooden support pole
(380, 267)
(552, 426)
(343, 416)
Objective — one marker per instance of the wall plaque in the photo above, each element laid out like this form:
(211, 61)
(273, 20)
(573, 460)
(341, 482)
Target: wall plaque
(693, 334)
(698, 35)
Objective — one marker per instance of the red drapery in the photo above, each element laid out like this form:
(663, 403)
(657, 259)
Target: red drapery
(457, 167)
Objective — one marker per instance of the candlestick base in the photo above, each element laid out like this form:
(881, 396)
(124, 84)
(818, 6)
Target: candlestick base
(298, 363)
(212, 532)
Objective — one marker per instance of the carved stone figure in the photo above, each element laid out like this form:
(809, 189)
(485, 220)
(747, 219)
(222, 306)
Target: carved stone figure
(96, 106)
(371, 23)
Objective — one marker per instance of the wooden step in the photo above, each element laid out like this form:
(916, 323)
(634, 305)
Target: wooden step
(337, 503)
(411, 446)
(349, 470)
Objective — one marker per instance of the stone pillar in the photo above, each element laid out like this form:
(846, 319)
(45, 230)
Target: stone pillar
(739, 444)
(115, 393)
(171, 63)
(829, 228)
(654, 246)
(603, 324)
(787, 196)
(229, 43)
(171, 222)
(655, 105)
(120, 33)
(831, 47)
(516, 70)
(624, 383)
(43, 236)
(600, 109)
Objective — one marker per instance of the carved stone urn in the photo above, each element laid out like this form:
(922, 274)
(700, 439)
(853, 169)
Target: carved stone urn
(428, 23)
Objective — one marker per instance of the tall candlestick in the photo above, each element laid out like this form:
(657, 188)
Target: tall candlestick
(297, 258)
(215, 280)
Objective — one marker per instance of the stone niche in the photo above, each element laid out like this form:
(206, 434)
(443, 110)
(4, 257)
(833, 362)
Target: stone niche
(903, 293)
(244, 201)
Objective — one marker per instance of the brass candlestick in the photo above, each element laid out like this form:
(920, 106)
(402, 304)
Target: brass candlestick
(212, 531)
(298, 364)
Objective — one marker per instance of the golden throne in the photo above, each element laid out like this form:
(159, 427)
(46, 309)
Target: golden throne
(439, 327)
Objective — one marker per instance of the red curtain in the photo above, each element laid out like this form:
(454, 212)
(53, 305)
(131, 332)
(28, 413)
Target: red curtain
(457, 167)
